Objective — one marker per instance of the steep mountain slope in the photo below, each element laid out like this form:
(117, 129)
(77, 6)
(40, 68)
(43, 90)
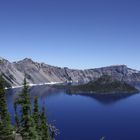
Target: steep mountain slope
(41, 73)
(10, 72)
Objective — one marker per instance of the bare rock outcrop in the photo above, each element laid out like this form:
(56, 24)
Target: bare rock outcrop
(36, 73)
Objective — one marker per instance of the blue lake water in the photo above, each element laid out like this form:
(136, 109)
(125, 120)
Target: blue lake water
(88, 117)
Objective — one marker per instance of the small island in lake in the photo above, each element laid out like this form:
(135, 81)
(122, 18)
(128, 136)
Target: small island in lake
(104, 85)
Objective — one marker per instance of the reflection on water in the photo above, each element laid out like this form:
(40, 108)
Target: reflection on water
(46, 91)
(41, 91)
(87, 117)
(109, 98)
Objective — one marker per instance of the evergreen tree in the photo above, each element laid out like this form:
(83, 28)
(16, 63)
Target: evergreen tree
(31, 125)
(16, 117)
(44, 125)
(6, 129)
(36, 116)
(27, 127)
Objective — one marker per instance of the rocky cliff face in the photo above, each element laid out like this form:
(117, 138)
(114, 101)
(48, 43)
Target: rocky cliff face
(37, 73)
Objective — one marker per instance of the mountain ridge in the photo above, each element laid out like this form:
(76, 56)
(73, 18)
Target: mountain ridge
(36, 73)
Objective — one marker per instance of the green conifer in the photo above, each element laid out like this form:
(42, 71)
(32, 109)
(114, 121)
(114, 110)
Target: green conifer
(6, 129)
(27, 127)
(16, 117)
(44, 125)
(36, 117)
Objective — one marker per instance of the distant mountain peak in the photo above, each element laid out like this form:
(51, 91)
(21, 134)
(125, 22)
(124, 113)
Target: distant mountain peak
(41, 73)
(26, 60)
(116, 66)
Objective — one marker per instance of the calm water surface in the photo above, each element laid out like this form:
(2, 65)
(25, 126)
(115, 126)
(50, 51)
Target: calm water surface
(85, 117)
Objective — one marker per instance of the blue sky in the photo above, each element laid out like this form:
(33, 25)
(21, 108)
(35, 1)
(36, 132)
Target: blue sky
(73, 33)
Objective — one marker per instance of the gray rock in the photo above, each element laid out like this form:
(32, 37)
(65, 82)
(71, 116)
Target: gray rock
(37, 73)
(18, 137)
